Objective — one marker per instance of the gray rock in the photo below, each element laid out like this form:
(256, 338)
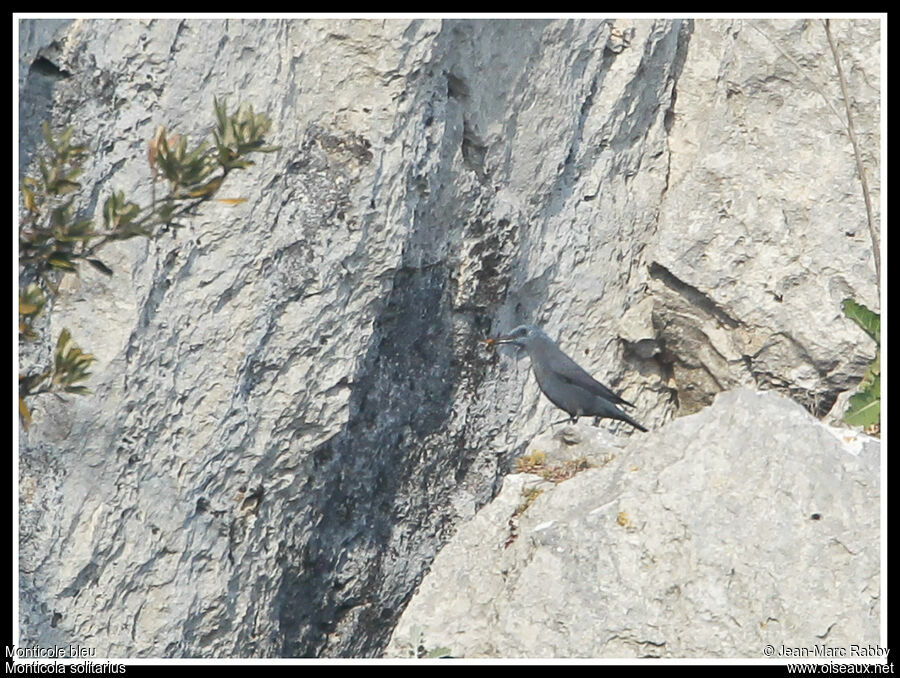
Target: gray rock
(712, 537)
(39, 72)
(291, 410)
(744, 278)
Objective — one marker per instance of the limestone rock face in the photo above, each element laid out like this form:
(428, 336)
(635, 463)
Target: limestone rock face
(291, 409)
(745, 277)
(711, 537)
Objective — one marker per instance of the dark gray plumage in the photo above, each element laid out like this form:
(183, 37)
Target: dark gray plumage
(567, 385)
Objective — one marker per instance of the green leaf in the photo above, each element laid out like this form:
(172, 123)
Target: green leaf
(438, 653)
(28, 199)
(875, 366)
(129, 211)
(100, 266)
(45, 172)
(64, 186)
(117, 211)
(867, 319)
(75, 232)
(873, 372)
(239, 164)
(63, 339)
(66, 137)
(206, 189)
(130, 231)
(29, 383)
(60, 215)
(33, 296)
(27, 332)
(78, 151)
(70, 363)
(81, 230)
(24, 413)
(221, 114)
(165, 211)
(48, 136)
(61, 260)
(109, 211)
(865, 407)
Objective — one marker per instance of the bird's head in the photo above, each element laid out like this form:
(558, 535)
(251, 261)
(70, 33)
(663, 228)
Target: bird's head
(523, 336)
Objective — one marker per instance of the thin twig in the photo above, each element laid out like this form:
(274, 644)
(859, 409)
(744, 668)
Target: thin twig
(848, 127)
(801, 71)
(876, 248)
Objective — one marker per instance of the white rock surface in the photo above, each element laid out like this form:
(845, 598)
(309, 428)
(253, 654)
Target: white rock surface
(291, 409)
(743, 525)
(749, 274)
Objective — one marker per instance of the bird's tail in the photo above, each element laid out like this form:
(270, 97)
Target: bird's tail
(631, 421)
(616, 413)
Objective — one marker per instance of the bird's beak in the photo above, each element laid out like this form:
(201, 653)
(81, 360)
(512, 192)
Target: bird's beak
(505, 339)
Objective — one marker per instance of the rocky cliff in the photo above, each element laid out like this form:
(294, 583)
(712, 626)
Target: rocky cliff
(291, 410)
(704, 539)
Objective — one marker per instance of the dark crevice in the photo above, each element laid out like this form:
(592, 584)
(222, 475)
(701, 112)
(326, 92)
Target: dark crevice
(366, 473)
(43, 66)
(694, 296)
(340, 590)
(684, 41)
(473, 151)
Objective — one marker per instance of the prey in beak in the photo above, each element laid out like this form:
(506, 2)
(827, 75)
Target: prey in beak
(521, 336)
(492, 342)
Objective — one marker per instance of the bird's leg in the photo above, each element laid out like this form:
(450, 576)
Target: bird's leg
(571, 420)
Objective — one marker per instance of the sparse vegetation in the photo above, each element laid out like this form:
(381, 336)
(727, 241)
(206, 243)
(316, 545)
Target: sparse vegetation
(418, 649)
(528, 497)
(531, 463)
(864, 407)
(536, 463)
(56, 235)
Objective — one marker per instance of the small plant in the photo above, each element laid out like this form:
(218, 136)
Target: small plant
(55, 235)
(528, 497)
(70, 365)
(31, 304)
(865, 405)
(531, 463)
(437, 653)
(418, 649)
(536, 463)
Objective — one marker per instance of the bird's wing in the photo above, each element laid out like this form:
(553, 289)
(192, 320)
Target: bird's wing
(568, 370)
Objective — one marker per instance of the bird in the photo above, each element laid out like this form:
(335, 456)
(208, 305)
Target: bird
(565, 384)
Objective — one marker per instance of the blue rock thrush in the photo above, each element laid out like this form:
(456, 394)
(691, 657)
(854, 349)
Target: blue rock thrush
(566, 384)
